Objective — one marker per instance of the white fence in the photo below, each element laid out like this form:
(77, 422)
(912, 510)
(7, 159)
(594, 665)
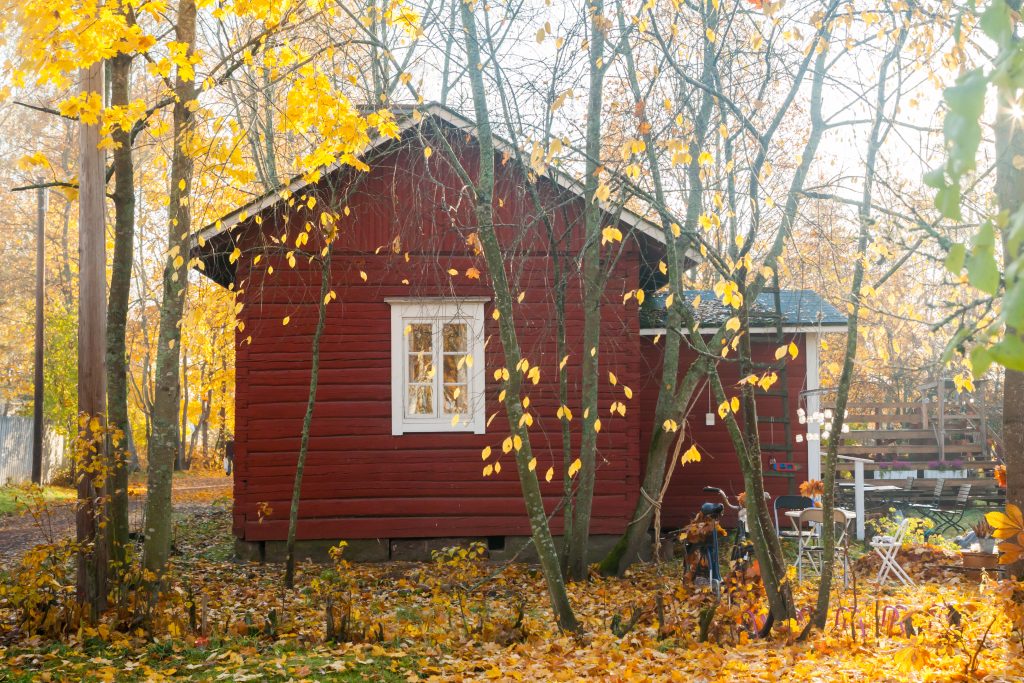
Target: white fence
(16, 451)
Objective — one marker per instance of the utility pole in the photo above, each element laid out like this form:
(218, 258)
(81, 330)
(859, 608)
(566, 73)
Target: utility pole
(37, 407)
(92, 334)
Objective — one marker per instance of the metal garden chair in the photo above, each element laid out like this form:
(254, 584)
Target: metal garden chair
(950, 515)
(792, 503)
(888, 548)
(922, 507)
(809, 549)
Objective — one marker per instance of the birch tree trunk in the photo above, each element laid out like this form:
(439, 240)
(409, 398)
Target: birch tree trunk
(307, 420)
(865, 220)
(483, 190)
(674, 394)
(163, 447)
(593, 287)
(117, 313)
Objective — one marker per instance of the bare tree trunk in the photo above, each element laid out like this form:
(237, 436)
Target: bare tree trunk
(307, 420)
(483, 190)
(37, 361)
(163, 446)
(92, 561)
(204, 422)
(117, 312)
(828, 536)
(673, 394)
(181, 463)
(746, 440)
(593, 287)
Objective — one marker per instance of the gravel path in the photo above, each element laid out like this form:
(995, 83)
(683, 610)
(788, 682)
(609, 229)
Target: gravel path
(18, 533)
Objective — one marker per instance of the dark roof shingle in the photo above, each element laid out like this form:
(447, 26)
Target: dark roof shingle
(799, 307)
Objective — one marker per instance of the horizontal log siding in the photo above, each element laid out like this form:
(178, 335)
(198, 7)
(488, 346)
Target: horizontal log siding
(719, 465)
(360, 481)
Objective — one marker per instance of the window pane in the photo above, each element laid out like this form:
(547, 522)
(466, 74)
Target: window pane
(455, 337)
(456, 399)
(421, 399)
(421, 368)
(420, 337)
(452, 372)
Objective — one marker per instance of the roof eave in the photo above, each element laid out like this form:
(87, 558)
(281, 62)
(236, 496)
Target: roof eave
(799, 328)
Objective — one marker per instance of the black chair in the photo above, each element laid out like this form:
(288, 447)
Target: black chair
(924, 507)
(949, 516)
(901, 498)
(791, 503)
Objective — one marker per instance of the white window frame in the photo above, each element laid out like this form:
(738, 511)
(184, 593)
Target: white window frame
(437, 312)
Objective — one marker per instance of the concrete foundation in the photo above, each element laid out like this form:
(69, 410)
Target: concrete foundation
(499, 549)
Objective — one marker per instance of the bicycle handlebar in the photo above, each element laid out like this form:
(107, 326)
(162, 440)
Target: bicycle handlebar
(725, 496)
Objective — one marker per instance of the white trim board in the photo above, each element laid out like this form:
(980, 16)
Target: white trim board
(813, 383)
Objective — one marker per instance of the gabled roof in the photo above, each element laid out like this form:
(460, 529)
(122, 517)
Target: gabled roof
(406, 121)
(803, 310)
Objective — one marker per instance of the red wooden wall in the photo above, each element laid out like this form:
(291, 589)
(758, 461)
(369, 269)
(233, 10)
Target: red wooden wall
(719, 465)
(360, 481)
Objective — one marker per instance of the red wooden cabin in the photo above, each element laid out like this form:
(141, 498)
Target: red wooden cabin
(407, 399)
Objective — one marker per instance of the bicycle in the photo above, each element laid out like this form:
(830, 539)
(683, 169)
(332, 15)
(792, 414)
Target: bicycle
(701, 541)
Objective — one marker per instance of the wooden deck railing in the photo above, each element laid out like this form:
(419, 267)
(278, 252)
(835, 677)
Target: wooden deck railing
(938, 428)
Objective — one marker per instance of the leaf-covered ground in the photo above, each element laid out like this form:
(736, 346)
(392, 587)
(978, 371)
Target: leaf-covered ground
(464, 619)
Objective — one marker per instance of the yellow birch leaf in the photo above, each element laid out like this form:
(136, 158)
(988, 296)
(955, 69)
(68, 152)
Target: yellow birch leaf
(611, 234)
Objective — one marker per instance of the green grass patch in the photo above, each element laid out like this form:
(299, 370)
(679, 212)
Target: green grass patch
(237, 659)
(10, 495)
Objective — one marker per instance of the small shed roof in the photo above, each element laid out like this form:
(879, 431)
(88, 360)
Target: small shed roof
(803, 310)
